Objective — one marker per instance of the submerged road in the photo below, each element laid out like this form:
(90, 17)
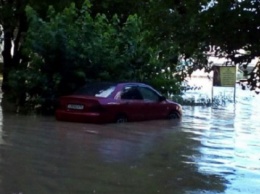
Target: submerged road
(210, 150)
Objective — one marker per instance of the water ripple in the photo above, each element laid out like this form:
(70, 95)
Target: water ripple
(229, 143)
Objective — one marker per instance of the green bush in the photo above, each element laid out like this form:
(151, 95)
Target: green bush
(70, 48)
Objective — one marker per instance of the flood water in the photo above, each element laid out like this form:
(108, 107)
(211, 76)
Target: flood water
(210, 150)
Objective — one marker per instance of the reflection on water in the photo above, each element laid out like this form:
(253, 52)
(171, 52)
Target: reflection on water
(229, 141)
(211, 150)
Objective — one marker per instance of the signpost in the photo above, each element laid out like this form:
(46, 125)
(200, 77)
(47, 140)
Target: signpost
(224, 76)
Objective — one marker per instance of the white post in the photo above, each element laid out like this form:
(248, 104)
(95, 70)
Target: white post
(212, 89)
(235, 86)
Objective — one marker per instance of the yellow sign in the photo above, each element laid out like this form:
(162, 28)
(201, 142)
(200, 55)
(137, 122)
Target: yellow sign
(224, 76)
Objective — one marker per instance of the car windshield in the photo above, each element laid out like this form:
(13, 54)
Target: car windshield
(97, 89)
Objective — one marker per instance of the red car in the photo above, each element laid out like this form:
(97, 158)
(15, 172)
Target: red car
(116, 102)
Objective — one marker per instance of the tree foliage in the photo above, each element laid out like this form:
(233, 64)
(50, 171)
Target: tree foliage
(71, 47)
(234, 25)
(14, 27)
(127, 39)
(218, 28)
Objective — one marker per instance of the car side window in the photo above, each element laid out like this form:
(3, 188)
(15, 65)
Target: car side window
(131, 93)
(149, 95)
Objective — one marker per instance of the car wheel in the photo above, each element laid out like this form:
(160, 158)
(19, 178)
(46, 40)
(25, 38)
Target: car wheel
(174, 115)
(121, 119)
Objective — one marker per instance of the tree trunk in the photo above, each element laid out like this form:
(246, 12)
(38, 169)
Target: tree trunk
(7, 57)
(12, 48)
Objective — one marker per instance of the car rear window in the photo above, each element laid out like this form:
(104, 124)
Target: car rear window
(96, 89)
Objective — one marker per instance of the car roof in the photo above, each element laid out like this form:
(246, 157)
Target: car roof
(133, 83)
(118, 83)
(139, 84)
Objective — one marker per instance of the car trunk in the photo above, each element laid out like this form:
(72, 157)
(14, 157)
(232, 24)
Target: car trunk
(80, 104)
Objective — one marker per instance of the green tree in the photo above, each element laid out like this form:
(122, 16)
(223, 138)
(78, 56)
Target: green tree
(234, 25)
(164, 34)
(194, 27)
(14, 23)
(71, 47)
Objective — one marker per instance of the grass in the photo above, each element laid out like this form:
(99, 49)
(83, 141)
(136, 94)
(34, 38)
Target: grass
(217, 101)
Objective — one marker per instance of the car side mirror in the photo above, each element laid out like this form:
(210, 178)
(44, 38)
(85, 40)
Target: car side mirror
(162, 98)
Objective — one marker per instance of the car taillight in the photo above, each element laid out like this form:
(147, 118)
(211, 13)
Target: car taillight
(96, 108)
(61, 104)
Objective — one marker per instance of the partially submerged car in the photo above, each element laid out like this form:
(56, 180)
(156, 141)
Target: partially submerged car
(116, 102)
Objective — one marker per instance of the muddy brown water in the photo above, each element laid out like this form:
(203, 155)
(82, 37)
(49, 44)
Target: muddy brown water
(210, 150)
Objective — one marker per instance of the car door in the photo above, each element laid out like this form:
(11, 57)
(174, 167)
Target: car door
(154, 107)
(132, 102)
